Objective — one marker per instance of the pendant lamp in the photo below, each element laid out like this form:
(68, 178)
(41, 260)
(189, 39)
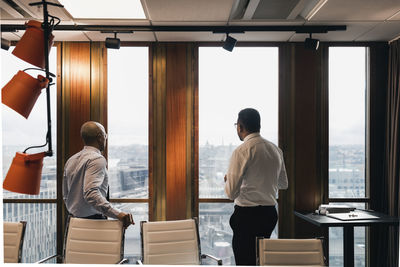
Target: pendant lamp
(21, 93)
(30, 47)
(25, 173)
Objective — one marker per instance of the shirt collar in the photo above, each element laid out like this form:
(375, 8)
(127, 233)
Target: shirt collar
(252, 135)
(92, 148)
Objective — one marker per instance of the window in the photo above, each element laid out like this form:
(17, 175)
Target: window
(347, 131)
(229, 82)
(128, 137)
(18, 134)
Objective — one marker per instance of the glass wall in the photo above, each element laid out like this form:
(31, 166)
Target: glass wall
(228, 83)
(128, 150)
(347, 131)
(18, 134)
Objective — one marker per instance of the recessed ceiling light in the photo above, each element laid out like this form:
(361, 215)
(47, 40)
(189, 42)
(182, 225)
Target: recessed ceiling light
(104, 9)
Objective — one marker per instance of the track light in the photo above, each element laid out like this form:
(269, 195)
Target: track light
(311, 43)
(113, 43)
(5, 44)
(230, 43)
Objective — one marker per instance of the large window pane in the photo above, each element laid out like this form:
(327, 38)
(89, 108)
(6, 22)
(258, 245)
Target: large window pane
(229, 82)
(336, 243)
(140, 213)
(128, 122)
(40, 234)
(347, 113)
(215, 232)
(347, 98)
(19, 133)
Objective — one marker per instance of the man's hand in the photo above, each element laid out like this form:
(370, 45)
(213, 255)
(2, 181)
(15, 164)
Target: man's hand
(126, 219)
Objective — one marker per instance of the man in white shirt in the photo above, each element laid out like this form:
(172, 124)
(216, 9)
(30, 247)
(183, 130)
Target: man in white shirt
(85, 181)
(256, 172)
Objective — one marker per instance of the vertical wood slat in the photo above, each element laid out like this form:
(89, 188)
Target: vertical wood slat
(158, 201)
(286, 138)
(77, 85)
(176, 132)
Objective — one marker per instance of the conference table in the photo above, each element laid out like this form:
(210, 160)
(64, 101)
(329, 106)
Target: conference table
(371, 218)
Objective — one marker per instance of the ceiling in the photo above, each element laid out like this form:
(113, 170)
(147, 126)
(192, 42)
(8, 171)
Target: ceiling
(366, 20)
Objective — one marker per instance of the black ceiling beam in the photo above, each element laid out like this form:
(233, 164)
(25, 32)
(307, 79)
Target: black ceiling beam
(214, 29)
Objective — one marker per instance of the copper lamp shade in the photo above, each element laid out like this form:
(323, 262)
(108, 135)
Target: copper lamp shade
(31, 46)
(22, 91)
(25, 173)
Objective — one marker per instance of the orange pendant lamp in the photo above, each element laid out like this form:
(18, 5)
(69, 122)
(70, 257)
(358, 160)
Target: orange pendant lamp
(21, 93)
(31, 46)
(25, 173)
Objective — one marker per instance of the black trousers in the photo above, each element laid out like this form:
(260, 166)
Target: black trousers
(247, 223)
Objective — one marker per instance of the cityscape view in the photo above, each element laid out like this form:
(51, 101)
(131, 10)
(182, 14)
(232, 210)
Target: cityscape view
(128, 174)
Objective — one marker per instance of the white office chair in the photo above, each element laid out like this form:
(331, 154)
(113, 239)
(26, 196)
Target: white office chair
(290, 252)
(90, 241)
(172, 242)
(14, 233)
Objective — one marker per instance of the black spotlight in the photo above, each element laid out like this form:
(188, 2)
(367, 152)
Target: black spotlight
(5, 44)
(113, 43)
(311, 43)
(229, 44)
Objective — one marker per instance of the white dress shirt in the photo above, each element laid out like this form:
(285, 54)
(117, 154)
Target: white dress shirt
(85, 184)
(256, 172)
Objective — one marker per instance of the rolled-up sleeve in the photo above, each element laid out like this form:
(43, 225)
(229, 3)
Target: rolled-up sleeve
(93, 184)
(235, 174)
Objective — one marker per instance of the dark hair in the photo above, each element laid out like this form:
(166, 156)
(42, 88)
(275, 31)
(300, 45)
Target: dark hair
(250, 119)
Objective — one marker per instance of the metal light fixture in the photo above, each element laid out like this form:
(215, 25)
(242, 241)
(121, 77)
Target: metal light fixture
(230, 43)
(113, 43)
(21, 93)
(311, 43)
(5, 44)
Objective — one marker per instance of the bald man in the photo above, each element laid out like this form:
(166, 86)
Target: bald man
(85, 181)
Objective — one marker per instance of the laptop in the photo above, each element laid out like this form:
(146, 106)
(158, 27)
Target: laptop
(349, 216)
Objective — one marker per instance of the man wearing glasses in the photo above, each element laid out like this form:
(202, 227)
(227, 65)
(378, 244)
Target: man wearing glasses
(255, 174)
(85, 181)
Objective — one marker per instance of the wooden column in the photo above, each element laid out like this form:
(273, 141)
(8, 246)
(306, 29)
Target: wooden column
(82, 96)
(173, 118)
(303, 135)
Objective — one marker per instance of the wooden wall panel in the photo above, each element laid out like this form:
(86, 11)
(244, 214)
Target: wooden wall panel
(173, 84)
(307, 141)
(82, 96)
(76, 88)
(176, 132)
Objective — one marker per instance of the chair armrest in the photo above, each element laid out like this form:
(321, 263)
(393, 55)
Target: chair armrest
(219, 261)
(123, 261)
(48, 258)
(139, 262)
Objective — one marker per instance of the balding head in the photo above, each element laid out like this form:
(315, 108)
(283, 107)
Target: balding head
(90, 133)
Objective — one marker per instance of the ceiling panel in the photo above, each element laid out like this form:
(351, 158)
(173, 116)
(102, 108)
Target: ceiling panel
(354, 30)
(70, 36)
(12, 36)
(188, 10)
(360, 10)
(385, 31)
